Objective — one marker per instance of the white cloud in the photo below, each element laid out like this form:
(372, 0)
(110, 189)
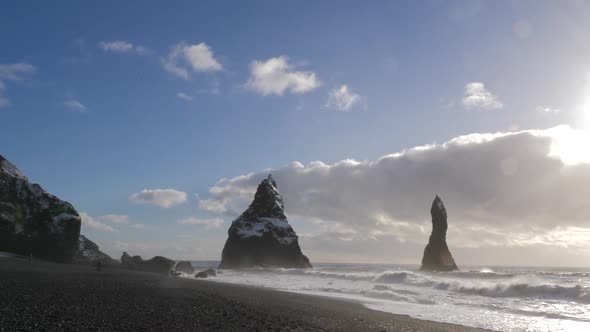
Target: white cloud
(342, 99)
(165, 198)
(12, 72)
(199, 57)
(526, 189)
(276, 75)
(548, 110)
(477, 97)
(90, 222)
(120, 46)
(137, 226)
(75, 105)
(119, 219)
(184, 96)
(207, 223)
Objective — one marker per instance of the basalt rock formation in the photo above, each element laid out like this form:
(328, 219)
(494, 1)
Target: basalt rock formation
(89, 253)
(158, 264)
(130, 261)
(261, 236)
(185, 267)
(206, 274)
(437, 256)
(33, 221)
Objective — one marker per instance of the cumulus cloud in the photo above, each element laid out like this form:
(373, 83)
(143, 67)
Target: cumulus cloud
(183, 56)
(120, 46)
(276, 75)
(207, 223)
(75, 105)
(342, 99)
(12, 72)
(94, 223)
(165, 198)
(477, 97)
(515, 189)
(184, 96)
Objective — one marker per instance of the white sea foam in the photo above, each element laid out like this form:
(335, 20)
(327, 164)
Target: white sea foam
(507, 299)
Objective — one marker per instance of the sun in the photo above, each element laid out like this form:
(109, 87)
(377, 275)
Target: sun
(584, 108)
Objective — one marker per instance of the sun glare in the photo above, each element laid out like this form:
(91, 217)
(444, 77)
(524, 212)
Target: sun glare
(584, 106)
(570, 145)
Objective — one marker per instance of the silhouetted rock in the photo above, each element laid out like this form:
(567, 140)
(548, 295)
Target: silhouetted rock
(206, 274)
(261, 236)
(129, 261)
(437, 256)
(33, 221)
(185, 267)
(89, 253)
(158, 264)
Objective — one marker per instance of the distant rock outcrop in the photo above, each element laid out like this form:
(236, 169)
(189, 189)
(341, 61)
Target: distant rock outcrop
(158, 264)
(261, 236)
(89, 253)
(437, 256)
(33, 221)
(185, 267)
(130, 261)
(206, 274)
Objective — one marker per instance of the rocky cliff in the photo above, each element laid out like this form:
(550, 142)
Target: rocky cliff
(437, 256)
(261, 236)
(33, 221)
(89, 253)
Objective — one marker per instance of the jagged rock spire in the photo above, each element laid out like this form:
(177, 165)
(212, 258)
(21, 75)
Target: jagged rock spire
(271, 180)
(262, 236)
(268, 202)
(437, 256)
(7, 167)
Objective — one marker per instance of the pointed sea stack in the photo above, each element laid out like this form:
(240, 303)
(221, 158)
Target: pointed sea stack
(261, 236)
(33, 221)
(437, 256)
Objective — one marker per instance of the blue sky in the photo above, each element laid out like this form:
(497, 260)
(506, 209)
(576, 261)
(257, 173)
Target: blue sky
(93, 111)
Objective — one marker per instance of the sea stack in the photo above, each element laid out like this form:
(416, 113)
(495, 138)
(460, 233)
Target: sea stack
(437, 256)
(33, 221)
(261, 236)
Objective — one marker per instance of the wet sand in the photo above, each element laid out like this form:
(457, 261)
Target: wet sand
(47, 296)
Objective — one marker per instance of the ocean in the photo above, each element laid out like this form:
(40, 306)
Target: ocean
(496, 298)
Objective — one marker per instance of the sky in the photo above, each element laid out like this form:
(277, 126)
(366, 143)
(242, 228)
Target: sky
(157, 120)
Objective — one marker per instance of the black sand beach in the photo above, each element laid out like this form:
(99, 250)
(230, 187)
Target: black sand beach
(47, 296)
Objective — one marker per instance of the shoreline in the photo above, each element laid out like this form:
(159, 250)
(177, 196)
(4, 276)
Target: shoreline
(50, 296)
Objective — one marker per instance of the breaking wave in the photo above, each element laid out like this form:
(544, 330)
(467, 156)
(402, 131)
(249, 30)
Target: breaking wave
(512, 286)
